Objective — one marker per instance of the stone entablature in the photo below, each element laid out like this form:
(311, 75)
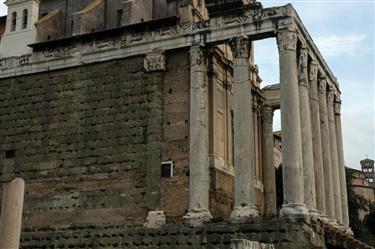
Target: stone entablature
(257, 24)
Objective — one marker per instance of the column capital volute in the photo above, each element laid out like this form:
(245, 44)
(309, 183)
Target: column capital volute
(240, 47)
(287, 40)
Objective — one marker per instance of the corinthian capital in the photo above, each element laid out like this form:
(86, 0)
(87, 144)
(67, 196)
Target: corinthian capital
(196, 55)
(240, 47)
(313, 74)
(330, 94)
(267, 115)
(287, 40)
(302, 66)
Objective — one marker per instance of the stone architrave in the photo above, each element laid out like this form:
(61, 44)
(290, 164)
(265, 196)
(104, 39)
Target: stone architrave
(334, 156)
(244, 207)
(316, 139)
(291, 126)
(11, 214)
(155, 61)
(306, 132)
(198, 212)
(268, 162)
(326, 150)
(247, 244)
(340, 152)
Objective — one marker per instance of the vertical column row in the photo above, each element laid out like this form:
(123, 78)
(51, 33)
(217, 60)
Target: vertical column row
(316, 139)
(293, 179)
(334, 157)
(198, 212)
(307, 146)
(244, 208)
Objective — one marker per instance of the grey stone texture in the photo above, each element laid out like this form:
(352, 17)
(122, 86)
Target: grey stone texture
(282, 234)
(293, 179)
(84, 140)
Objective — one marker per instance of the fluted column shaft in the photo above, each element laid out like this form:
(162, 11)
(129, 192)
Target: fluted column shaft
(340, 152)
(199, 164)
(243, 134)
(306, 133)
(316, 139)
(334, 156)
(291, 126)
(326, 150)
(268, 164)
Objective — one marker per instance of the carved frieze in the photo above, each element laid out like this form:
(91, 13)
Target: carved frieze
(155, 61)
(240, 47)
(62, 52)
(287, 40)
(14, 62)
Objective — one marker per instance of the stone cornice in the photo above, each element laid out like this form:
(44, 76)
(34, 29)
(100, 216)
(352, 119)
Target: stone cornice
(255, 24)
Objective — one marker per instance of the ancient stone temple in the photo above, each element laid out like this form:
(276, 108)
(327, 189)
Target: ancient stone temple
(142, 124)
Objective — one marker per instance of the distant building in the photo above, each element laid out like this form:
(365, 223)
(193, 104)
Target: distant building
(361, 186)
(367, 166)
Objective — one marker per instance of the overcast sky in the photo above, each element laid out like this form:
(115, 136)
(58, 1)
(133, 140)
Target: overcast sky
(344, 33)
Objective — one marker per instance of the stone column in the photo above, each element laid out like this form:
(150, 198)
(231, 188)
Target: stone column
(291, 126)
(11, 214)
(307, 147)
(198, 212)
(326, 150)
(268, 163)
(155, 63)
(334, 156)
(340, 152)
(316, 139)
(244, 207)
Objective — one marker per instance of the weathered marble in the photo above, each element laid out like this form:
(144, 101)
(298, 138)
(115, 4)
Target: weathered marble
(244, 207)
(340, 152)
(306, 133)
(268, 162)
(326, 150)
(198, 212)
(316, 139)
(291, 126)
(11, 214)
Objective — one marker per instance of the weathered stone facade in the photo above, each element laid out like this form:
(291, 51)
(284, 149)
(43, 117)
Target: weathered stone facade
(123, 135)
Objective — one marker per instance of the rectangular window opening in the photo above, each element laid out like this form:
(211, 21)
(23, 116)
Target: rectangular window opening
(10, 154)
(167, 169)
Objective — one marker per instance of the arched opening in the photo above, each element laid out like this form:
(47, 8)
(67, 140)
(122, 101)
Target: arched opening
(25, 14)
(14, 21)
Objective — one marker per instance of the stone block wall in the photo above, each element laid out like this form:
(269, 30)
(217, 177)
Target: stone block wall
(79, 139)
(283, 234)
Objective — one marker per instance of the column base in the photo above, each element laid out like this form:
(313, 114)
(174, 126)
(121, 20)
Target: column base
(155, 219)
(294, 210)
(244, 214)
(197, 217)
